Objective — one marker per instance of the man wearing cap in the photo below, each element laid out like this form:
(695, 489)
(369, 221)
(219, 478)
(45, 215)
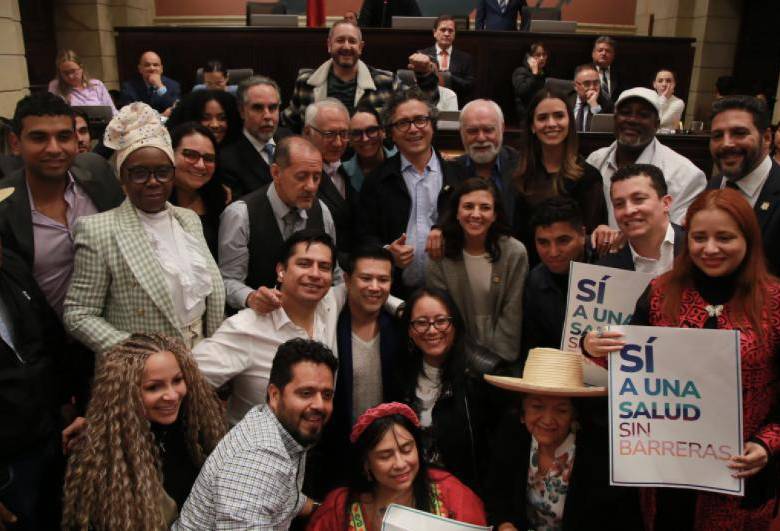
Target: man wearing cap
(636, 122)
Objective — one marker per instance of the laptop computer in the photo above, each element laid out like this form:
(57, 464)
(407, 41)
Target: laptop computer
(414, 23)
(553, 26)
(96, 113)
(602, 123)
(273, 21)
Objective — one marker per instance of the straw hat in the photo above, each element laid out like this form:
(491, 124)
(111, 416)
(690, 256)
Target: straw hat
(549, 371)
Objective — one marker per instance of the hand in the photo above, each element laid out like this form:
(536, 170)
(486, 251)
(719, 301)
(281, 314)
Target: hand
(6, 517)
(605, 239)
(668, 91)
(264, 300)
(533, 64)
(434, 246)
(421, 63)
(750, 463)
(402, 254)
(167, 112)
(592, 96)
(72, 434)
(598, 344)
(155, 80)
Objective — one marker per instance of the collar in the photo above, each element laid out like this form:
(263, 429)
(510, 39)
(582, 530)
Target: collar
(668, 240)
(439, 50)
(279, 207)
(331, 167)
(69, 192)
(600, 70)
(751, 183)
(256, 143)
(292, 446)
(646, 157)
(566, 447)
(364, 79)
(431, 165)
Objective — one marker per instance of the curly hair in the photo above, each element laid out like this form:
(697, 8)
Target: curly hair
(114, 478)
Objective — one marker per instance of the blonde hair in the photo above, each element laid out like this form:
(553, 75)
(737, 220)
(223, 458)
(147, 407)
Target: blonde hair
(64, 56)
(114, 477)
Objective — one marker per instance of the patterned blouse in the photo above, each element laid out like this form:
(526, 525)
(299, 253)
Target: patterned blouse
(547, 491)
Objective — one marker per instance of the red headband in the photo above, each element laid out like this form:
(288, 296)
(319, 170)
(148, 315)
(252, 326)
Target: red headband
(378, 412)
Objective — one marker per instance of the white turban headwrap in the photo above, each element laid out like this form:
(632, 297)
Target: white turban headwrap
(136, 126)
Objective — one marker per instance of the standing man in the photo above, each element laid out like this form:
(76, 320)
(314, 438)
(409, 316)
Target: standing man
(252, 230)
(327, 127)
(454, 67)
(587, 98)
(380, 13)
(636, 122)
(253, 478)
(603, 55)
(245, 165)
(740, 145)
(500, 15)
(344, 77)
(151, 87)
(400, 202)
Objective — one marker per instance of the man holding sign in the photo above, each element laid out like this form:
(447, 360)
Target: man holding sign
(720, 282)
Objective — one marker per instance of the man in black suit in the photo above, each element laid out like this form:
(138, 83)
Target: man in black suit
(641, 202)
(603, 55)
(500, 15)
(740, 144)
(327, 127)
(402, 199)
(380, 13)
(152, 88)
(587, 97)
(453, 66)
(245, 165)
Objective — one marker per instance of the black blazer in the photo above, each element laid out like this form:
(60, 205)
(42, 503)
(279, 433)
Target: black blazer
(342, 209)
(490, 17)
(615, 85)
(379, 13)
(242, 168)
(767, 211)
(507, 161)
(136, 90)
(623, 260)
(461, 78)
(591, 503)
(89, 170)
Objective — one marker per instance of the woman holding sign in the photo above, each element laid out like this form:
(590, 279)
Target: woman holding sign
(721, 282)
(388, 467)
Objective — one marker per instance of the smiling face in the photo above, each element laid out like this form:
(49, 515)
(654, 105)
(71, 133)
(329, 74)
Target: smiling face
(192, 171)
(636, 122)
(481, 132)
(394, 461)
(345, 46)
(548, 419)
(368, 286)
(329, 120)
(736, 144)
(716, 244)
(476, 214)
(47, 144)
(308, 273)
(444, 33)
(639, 211)
(215, 118)
(305, 404)
(559, 244)
(551, 122)
(162, 388)
(151, 195)
(415, 140)
(260, 111)
(371, 135)
(435, 344)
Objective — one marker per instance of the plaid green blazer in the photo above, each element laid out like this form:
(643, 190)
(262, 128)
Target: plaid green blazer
(118, 286)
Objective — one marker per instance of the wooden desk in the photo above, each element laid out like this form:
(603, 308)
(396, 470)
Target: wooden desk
(280, 52)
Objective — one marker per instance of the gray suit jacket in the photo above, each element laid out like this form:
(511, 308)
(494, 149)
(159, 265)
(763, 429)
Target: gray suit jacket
(507, 278)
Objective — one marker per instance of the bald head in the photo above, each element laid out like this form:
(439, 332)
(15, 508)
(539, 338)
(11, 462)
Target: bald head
(482, 130)
(149, 64)
(292, 147)
(297, 171)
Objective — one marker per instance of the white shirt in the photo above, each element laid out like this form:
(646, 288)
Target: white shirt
(366, 375)
(665, 260)
(448, 100)
(751, 184)
(332, 169)
(684, 180)
(671, 112)
(244, 346)
(260, 146)
(427, 392)
(449, 57)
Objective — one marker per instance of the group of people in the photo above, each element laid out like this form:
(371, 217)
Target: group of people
(373, 289)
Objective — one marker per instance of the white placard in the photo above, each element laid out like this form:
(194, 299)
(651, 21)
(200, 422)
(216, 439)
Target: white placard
(598, 296)
(402, 518)
(675, 409)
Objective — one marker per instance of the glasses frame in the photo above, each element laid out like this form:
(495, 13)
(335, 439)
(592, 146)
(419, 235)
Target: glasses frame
(149, 173)
(405, 124)
(441, 324)
(196, 155)
(357, 134)
(330, 136)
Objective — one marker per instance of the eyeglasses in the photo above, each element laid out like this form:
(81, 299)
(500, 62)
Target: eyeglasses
(595, 83)
(404, 125)
(192, 156)
(141, 174)
(422, 325)
(330, 136)
(371, 132)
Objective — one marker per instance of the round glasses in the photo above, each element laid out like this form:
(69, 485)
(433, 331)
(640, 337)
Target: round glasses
(141, 174)
(370, 132)
(404, 125)
(422, 325)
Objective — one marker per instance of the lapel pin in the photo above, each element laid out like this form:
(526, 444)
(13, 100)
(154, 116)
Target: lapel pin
(765, 206)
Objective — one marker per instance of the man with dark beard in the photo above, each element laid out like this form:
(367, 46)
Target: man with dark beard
(253, 479)
(343, 77)
(637, 119)
(740, 144)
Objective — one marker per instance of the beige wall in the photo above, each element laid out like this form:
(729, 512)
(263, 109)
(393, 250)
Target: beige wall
(14, 83)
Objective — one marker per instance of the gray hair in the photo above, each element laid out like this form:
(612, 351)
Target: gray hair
(313, 109)
(344, 23)
(490, 103)
(254, 81)
(605, 39)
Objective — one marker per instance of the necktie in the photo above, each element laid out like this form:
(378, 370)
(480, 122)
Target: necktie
(289, 220)
(581, 116)
(270, 150)
(604, 82)
(502, 5)
(444, 60)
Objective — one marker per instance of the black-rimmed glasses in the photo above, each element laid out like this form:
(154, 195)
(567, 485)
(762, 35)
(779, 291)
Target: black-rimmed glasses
(141, 174)
(422, 325)
(370, 132)
(404, 124)
(331, 135)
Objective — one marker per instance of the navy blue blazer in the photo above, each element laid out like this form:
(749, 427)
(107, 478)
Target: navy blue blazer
(490, 17)
(136, 90)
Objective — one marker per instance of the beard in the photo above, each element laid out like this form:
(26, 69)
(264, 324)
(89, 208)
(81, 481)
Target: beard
(750, 160)
(483, 156)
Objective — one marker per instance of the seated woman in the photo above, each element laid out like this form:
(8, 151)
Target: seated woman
(720, 281)
(74, 85)
(483, 268)
(215, 77)
(672, 107)
(553, 167)
(549, 468)
(150, 424)
(387, 467)
(438, 382)
(214, 109)
(143, 266)
(196, 183)
(366, 137)
(529, 77)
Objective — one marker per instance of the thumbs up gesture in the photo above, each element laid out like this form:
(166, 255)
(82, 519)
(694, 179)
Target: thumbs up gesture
(402, 254)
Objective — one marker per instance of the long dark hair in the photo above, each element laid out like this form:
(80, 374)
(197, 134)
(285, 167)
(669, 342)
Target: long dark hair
(212, 193)
(531, 164)
(191, 107)
(361, 483)
(452, 230)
